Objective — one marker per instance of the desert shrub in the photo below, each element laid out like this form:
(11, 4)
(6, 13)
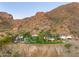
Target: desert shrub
(68, 45)
(27, 34)
(5, 40)
(56, 20)
(54, 30)
(36, 28)
(7, 53)
(45, 33)
(16, 54)
(68, 51)
(10, 54)
(76, 47)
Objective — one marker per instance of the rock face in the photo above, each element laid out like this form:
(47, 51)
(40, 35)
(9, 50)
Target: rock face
(5, 15)
(62, 20)
(5, 21)
(67, 16)
(37, 23)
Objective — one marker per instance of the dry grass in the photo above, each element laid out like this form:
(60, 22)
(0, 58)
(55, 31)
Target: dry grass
(35, 49)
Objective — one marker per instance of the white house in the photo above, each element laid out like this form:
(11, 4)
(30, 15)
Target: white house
(49, 39)
(66, 37)
(18, 39)
(34, 35)
(21, 37)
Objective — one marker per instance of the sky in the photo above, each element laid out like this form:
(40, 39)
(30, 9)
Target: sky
(21, 10)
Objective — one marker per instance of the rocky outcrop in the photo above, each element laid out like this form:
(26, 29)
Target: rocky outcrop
(37, 23)
(6, 16)
(5, 21)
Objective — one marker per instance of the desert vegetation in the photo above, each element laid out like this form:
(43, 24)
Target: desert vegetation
(5, 40)
(43, 37)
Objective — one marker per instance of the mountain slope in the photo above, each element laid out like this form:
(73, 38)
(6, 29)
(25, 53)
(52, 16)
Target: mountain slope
(62, 20)
(5, 21)
(66, 16)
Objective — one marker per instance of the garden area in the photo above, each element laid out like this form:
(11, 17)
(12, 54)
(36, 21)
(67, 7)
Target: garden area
(28, 38)
(42, 38)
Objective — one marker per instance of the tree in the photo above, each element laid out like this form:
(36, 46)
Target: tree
(27, 37)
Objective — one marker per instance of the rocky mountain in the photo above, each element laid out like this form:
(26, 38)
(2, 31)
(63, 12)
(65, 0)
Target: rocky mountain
(67, 16)
(5, 21)
(37, 23)
(62, 20)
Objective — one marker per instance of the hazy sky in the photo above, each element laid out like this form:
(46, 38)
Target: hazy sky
(21, 10)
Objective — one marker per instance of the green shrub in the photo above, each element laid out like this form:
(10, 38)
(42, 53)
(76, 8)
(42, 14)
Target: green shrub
(27, 37)
(5, 40)
(68, 45)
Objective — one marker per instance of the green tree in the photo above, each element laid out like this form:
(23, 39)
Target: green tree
(27, 37)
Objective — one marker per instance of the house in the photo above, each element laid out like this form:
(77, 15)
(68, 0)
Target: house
(18, 39)
(49, 38)
(34, 35)
(66, 37)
